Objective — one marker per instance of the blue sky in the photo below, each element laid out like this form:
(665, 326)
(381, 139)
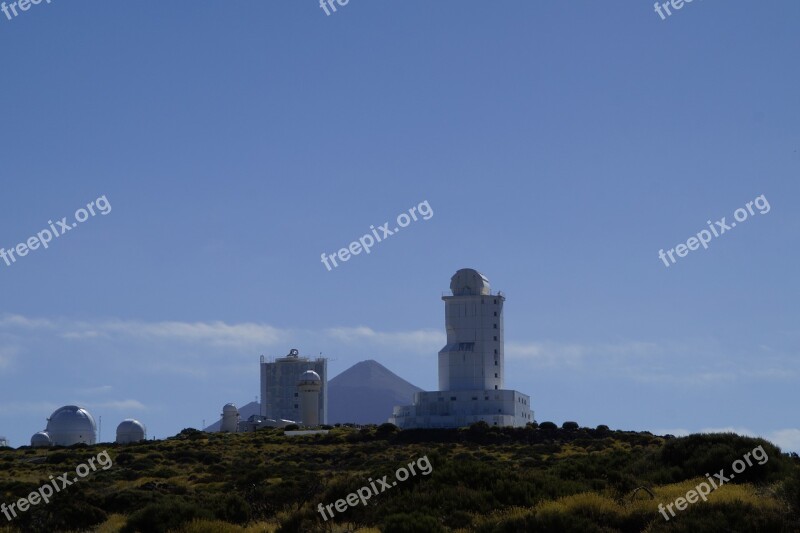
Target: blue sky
(560, 146)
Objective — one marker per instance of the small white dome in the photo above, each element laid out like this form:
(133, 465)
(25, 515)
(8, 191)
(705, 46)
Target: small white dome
(71, 425)
(130, 430)
(229, 408)
(310, 375)
(469, 281)
(41, 440)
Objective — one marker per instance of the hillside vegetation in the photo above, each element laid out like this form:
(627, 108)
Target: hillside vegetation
(483, 480)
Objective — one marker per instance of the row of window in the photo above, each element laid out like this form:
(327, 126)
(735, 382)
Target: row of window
(475, 398)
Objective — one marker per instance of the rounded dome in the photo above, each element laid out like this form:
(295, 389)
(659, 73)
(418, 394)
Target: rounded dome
(469, 281)
(71, 425)
(130, 430)
(41, 440)
(310, 375)
(229, 408)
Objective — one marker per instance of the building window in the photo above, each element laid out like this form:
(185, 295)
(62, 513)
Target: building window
(495, 351)
(495, 374)
(495, 313)
(495, 363)
(295, 395)
(474, 397)
(486, 398)
(495, 388)
(453, 398)
(495, 326)
(495, 337)
(296, 406)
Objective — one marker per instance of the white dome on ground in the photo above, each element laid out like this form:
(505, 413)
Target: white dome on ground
(130, 430)
(41, 440)
(71, 425)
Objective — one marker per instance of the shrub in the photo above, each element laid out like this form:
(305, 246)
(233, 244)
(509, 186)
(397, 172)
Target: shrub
(169, 513)
(411, 523)
(386, 430)
(548, 425)
(570, 425)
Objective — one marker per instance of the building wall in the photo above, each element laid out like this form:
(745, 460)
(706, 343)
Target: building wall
(279, 395)
(473, 357)
(462, 408)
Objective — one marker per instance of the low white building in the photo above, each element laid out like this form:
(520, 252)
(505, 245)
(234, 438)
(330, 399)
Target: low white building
(471, 365)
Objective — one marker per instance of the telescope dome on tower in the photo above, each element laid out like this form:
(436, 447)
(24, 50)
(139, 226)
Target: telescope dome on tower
(310, 375)
(468, 281)
(71, 425)
(230, 418)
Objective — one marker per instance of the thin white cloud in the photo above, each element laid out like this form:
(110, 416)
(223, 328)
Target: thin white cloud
(92, 391)
(32, 408)
(121, 405)
(421, 341)
(787, 439)
(573, 354)
(244, 336)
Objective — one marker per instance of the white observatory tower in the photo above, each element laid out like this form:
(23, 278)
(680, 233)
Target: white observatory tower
(473, 356)
(230, 418)
(309, 387)
(471, 365)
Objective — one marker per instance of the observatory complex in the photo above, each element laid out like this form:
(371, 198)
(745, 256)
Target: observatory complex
(71, 424)
(280, 397)
(471, 365)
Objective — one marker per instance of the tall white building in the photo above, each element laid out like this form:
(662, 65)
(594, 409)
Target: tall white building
(280, 399)
(471, 365)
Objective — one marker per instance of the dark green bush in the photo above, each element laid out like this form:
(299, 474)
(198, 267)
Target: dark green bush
(411, 523)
